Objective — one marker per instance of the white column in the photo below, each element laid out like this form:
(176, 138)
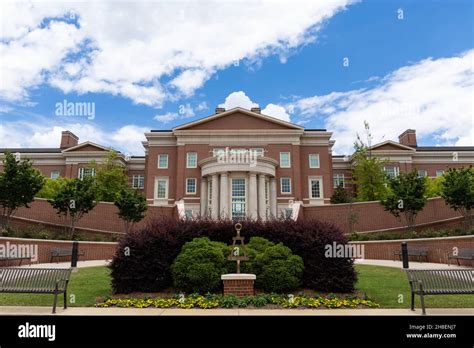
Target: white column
(215, 197)
(203, 196)
(253, 208)
(261, 197)
(273, 198)
(224, 196)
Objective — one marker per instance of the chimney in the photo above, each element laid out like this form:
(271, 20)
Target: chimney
(220, 110)
(68, 139)
(256, 110)
(408, 138)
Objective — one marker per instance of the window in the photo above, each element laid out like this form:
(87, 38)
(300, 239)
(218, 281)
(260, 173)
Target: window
(422, 173)
(238, 198)
(191, 160)
(315, 187)
(163, 161)
(285, 160)
(86, 172)
(188, 213)
(190, 186)
(391, 171)
(314, 161)
(338, 180)
(161, 187)
(439, 173)
(55, 174)
(285, 184)
(138, 181)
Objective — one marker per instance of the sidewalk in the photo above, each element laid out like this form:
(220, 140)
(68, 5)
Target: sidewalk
(80, 264)
(411, 264)
(91, 311)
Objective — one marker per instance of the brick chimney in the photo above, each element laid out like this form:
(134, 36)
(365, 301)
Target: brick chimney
(220, 110)
(68, 139)
(408, 138)
(257, 110)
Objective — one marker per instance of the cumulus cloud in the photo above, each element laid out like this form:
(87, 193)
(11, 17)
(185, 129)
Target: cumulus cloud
(147, 51)
(276, 111)
(433, 96)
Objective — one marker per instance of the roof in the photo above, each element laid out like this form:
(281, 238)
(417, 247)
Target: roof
(444, 148)
(161, 130)
(31, 150)
(315, 130)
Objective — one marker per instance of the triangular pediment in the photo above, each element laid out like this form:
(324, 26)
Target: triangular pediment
(390, 145)
(238, 119)
(87, 146)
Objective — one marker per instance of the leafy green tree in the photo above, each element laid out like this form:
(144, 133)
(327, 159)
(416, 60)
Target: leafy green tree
(458, 192)
(132, 207)
(51, 186)
(340, 195)
(434, 186)
(110, 177)
(73, 200)
(407, 197)
(369, 176)
(19, 183)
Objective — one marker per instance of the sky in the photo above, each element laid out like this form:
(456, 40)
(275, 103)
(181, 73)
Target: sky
(137, 66)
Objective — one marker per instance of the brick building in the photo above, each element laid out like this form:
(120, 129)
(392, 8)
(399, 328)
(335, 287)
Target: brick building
(240, 162)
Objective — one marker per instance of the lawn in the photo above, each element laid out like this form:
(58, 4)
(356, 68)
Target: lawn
(383, 285)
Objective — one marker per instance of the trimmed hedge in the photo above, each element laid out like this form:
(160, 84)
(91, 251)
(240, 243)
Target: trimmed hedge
(143, 259)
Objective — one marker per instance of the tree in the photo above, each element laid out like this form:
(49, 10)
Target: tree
(110, 178)
(132, 207)
(50, 187)
(369, 177)
(340, 195)
(458, 192)
(75, 199)
(407, 196)
(19, 183)
(434, 186)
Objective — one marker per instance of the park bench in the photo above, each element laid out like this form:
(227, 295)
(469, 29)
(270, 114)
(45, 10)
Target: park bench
(35, 281)
(439, 282)
(418, 252)
(16, 258)
(463, 254)
(62, 252)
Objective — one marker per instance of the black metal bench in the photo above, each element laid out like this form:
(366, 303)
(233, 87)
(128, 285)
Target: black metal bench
(63, 252)
(418, 252)
(36, 281)
(17, 258)
(439, 282)
(463, 254)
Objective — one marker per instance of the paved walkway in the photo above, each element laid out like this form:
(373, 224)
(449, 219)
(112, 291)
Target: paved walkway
(411, 264)
(80, 264)
(46, 310)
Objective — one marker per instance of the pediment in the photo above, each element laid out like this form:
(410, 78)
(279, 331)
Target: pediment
(391, 146)
(87, 147)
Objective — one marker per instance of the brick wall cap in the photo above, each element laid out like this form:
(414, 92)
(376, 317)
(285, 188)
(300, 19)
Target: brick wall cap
(412, 240)
(238, 276)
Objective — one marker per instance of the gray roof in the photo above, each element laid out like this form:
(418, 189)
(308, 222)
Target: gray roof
(31, 150)
(444, 148)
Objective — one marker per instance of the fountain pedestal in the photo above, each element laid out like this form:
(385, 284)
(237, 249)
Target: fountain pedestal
(239, 284)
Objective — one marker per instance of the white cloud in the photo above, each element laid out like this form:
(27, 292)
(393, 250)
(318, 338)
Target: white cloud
(276, 111)
(148, 51)
(168, 117)
(433, 96)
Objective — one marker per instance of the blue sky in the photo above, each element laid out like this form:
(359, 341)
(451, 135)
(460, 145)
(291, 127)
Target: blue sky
(415, 72)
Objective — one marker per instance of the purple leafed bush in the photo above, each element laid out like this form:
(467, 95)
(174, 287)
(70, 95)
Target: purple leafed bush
(143, 258)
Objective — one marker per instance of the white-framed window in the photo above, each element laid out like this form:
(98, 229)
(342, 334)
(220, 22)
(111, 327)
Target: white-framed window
(439, 173)
(163, 161)
(314, 161)
(138, 181)
(86, 172)
(315, 188)
(422, 173)
(238, 198)
(338, 179)
(285, 185)
(55, 174)
(188, 213)
(191, 160)
(285, 160)
(392, 171)
(191, 186)
(161, 188)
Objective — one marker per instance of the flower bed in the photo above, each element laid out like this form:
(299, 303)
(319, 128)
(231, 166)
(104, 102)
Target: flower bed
(230, 301)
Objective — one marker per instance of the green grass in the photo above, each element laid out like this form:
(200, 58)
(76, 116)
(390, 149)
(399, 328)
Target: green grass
(384, 285)
(381, 284)
(85, 285)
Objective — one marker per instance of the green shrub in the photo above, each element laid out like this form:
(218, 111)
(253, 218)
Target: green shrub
(199, 266)
(277, 269)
